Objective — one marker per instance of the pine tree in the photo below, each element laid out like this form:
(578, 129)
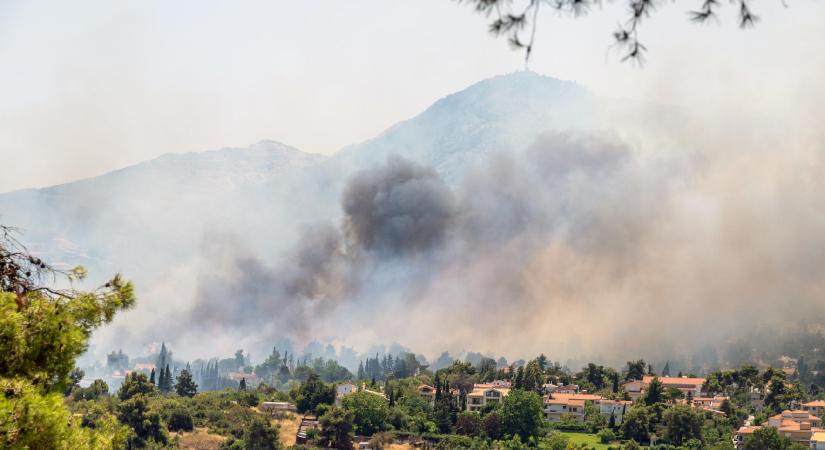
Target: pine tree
(185, 386)
(152, 376)
(666, 370)
(612, 422)
(242, 385)
(361, 373)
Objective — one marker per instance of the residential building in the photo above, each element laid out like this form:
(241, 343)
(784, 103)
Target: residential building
(484, 394)
(637, 388)
(818, 440)
(276, 407)
(816, 407)
(567, 389)
(797, 425)
(558, 405)
(616, 408)
(344, 389)
(427, 393)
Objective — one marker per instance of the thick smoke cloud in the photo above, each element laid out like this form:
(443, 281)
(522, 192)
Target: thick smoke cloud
(398, 209)
(580, 246)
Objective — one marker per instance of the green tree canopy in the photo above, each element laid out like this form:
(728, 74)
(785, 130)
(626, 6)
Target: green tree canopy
(337, 427)
(370, 411)
(185, 386)
(521, 414)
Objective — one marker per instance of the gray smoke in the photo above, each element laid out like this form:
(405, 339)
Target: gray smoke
(581, 245)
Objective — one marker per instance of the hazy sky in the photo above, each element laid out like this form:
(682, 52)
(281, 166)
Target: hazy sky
(90, 86)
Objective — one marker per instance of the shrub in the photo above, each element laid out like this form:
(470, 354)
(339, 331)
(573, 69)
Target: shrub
(606, 435)
(180, 419)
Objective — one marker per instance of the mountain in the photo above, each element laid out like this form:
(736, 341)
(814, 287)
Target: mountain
(159, 220)
(165, 204)
(501, 114)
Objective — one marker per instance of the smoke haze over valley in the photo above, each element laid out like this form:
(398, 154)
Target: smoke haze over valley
(520, 215)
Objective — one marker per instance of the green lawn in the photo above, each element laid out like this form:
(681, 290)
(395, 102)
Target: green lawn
(590, 440)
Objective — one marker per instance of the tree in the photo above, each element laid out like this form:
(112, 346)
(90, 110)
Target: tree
(239, 359)
(654, 393)
(152, 376)
(167, 380)
(515, 18)
(179, 419)
(666, 369)
(261, 435)
(242, 384)
(682, 423)
(636, 424)
(532, 378)
(491, 425)
(468, 424)
(146, 423)
(370, 411)
(766, 438)
(312, 393)
(186, 387)
(337, 427)
(42, 331)
(521, 414)
(97, 389)
(606, 435)
(135, 384)
(635, 370)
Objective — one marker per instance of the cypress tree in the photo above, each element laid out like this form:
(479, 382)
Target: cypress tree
(152, 376)
(167, 378)
(160, 379)
(242, 386)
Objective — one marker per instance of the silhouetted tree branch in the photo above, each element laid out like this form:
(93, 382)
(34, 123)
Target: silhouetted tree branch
(512, 18)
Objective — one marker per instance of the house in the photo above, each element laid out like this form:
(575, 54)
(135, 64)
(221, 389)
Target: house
(688, 385)
(756, 399)
(344, 389)
(712, 404)
(501, 383)
(549, 388)
(818, 440)
(276, 407)
(568, 389)
(616, 408)
(797, 425)
(741, 434)
(427, 393)
(484, 394)
(795, 416)
(816, 407)
(634, 389)
(559, 404)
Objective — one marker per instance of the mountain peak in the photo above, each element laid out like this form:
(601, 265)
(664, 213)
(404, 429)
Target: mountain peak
(499, 114)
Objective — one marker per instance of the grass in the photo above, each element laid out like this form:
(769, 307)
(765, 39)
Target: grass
(591, 441)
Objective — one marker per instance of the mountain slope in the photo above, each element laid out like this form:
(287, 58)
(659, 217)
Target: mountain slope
(500, 114)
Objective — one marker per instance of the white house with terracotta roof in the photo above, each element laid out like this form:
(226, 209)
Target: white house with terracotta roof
(816, 407)
(637, 388)
(558, 405)
(616, 408)
(797, 425)
(484, 394)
